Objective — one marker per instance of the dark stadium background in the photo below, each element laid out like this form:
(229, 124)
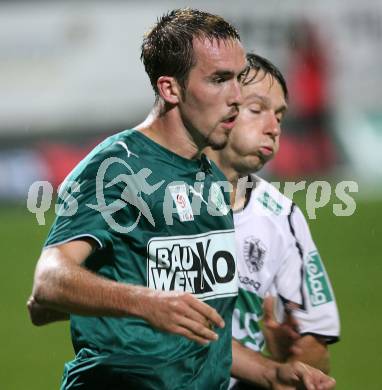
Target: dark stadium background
(70, 75)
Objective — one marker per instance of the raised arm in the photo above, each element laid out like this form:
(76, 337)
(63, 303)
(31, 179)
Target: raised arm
(63, 285)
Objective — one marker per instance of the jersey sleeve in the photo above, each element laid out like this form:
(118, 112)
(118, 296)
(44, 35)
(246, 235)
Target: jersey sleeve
(87, 205)
(302, 279)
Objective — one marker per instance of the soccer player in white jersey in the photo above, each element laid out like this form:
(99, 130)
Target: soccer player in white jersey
(276, 253)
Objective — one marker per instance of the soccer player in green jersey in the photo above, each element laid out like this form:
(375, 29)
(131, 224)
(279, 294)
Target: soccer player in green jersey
(142, 252)
(272, 239)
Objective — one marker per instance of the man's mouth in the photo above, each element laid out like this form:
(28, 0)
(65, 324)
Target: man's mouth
(266, 151)
(229, 121)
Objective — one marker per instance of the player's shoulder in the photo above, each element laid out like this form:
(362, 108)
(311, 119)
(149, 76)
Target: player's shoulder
(126, 144)
(269, 198)
(119, 150)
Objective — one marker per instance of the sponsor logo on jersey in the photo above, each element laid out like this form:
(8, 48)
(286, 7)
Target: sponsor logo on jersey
(246, 281)
(202, 264)
(254, 253)
(316, 280)
(269, 203)
(128, 151)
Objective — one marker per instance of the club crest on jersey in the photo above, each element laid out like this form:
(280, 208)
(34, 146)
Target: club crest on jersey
(203, 265)
(254, 253)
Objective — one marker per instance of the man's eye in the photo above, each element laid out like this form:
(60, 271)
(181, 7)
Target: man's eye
(255, 110)
(219, 80)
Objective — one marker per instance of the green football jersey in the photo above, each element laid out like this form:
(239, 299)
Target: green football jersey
(160, 221)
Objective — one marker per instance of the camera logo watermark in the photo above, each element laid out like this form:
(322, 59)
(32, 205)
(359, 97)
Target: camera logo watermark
(135, 185)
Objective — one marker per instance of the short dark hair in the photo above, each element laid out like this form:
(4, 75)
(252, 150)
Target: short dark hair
(258, 63)
(167, 49)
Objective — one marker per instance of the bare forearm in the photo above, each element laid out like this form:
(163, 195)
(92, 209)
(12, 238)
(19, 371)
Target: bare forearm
(70, 288)
(81, 292)
(251, 366)
(312, 351)
(63, 285)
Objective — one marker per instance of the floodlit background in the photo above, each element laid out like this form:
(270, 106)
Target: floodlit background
(70, 75)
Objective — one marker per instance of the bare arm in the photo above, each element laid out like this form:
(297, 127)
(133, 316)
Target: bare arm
(62, 284)
(252, 367)
(42, 315)
(279, 337)
(313, 351)
(285, 344)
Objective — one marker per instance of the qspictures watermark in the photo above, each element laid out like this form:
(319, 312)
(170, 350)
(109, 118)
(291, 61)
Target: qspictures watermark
(179, 198)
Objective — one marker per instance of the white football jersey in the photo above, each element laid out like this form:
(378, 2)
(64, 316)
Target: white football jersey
(276, 255)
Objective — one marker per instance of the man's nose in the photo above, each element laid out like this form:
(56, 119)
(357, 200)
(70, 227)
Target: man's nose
(273, 127)
(236, 97)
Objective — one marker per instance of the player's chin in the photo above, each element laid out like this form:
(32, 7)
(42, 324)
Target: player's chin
(251, 164)
(264, 159)
(218, 141)
(218, 146)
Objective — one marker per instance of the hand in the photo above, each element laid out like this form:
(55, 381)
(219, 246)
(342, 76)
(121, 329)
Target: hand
(298, 375)
(180, 313)
(280, 338)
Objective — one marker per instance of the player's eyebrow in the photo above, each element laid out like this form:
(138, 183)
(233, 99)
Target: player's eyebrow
(281, 109)
(227, 73)
(224, 74)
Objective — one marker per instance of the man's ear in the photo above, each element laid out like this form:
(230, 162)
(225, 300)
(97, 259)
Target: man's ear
(169, 89)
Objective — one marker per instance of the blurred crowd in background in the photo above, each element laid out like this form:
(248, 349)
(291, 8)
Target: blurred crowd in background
(70, 75)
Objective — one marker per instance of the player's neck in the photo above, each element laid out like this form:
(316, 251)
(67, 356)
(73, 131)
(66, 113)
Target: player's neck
(165, 127)
(237, 198)
(239, 194)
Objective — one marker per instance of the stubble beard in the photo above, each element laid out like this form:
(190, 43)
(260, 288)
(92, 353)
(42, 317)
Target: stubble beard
(218, 141)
